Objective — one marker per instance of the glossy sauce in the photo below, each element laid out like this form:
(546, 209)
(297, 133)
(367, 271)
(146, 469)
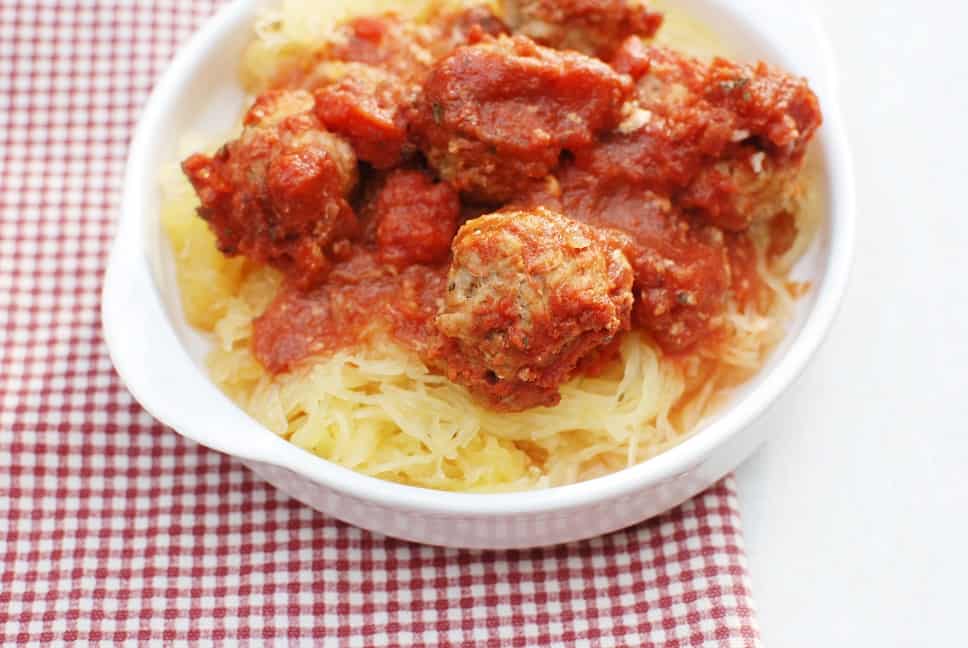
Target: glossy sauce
(363, 297)
(667, 158)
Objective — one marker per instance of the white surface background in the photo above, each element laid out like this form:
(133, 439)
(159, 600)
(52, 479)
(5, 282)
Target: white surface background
(856, 511)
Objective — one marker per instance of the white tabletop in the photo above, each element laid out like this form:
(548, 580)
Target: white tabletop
(856, 511)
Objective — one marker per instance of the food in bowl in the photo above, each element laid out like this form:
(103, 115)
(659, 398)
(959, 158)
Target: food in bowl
(480, 248)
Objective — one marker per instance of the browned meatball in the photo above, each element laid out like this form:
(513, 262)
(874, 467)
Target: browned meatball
(278, 193)
(366, 105)
(747, 187)
(727, 141)
(529, 295)
(371, 72)
(495, 116)
(416, 218)
(594, 27)
(680, 264)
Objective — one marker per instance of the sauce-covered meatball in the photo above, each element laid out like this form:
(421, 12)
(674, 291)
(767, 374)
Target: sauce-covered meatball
(278, 194)
(680, 265)
(371, 70)
(366, 105)
(495, 116)
(416, 218)
(529, 295)
(594, 27)
(363, 80)
(727, 141)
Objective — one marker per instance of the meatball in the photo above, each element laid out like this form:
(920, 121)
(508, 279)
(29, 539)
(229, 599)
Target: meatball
(529, 295)
(366, 106)
(594, 27)
(416, 219)
(364, 79)
(495, 116)
(727, 141)
(681, 269)
(371, 72)
(278, 194)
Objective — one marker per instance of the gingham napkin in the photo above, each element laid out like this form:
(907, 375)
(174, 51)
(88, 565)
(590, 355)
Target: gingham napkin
(115, 530)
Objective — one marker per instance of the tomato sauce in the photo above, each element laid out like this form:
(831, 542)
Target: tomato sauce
(356, 170)
(363, 298)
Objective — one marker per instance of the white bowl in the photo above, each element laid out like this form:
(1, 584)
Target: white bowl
(161, 359)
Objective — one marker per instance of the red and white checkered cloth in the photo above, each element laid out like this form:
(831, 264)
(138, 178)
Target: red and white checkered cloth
(115, 530)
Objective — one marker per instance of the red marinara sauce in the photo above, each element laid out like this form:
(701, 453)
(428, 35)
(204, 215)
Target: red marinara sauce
(362, 299)
(357, 169)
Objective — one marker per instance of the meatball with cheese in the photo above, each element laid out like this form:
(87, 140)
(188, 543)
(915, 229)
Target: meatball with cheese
(529, 295)
(726, 140)
(278, 193)
(367, 76)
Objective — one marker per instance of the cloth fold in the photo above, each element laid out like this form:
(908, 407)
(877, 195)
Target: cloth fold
(116, 531)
